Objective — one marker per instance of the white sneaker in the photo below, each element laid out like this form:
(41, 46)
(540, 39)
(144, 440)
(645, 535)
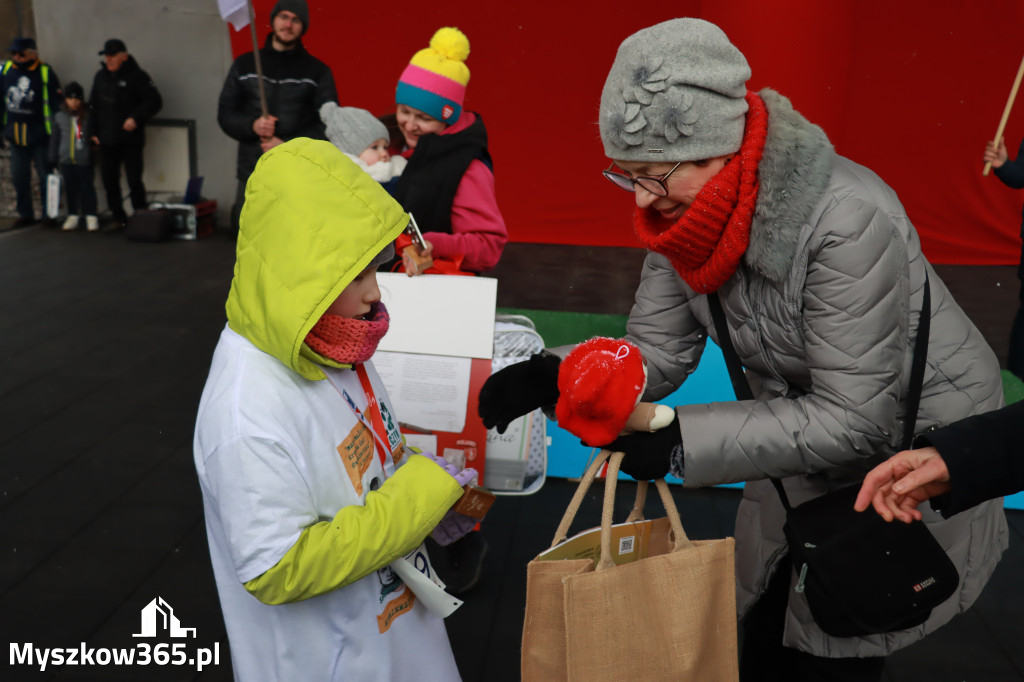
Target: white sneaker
(71, 223)
(92, 223)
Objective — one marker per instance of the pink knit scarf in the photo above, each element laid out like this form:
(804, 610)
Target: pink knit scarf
(348, 340)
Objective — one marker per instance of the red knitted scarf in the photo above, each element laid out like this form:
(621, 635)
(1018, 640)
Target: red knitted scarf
(348, 340)
(706, 243)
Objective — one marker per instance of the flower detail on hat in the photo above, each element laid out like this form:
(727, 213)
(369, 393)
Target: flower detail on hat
(626, 122)
(649, 77)
(672, 114)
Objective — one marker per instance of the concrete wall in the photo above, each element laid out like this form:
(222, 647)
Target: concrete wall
(183, 45)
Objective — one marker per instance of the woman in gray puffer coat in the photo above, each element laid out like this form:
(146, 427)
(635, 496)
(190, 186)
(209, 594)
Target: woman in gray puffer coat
(821, 276)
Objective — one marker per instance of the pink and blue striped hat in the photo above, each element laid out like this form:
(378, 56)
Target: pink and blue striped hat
(435, 80)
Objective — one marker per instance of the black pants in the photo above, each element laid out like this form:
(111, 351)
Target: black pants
(764, 659)
(1015, 360)
(236, 208)
(81, 192)
(111, 160)
(22, 160)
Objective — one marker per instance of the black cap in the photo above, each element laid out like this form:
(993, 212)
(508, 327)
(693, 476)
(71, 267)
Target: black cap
(74, 89)
(113, 46)
(21, 44)
(296, 7)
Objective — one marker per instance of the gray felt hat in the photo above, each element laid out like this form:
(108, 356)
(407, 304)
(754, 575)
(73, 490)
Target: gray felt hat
(350, 129)
(676, 92)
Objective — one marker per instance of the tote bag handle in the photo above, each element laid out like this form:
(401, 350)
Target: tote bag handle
(680, 540)
(562, 531)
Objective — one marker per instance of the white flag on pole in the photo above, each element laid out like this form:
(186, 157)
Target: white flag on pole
(234, 11)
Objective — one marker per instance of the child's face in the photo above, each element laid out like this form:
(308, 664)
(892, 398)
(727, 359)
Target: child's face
(359, 296)
(74, 104)
(378, 151)
(414, 123)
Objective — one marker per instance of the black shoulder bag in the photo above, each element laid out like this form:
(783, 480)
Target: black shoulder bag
(859, 574)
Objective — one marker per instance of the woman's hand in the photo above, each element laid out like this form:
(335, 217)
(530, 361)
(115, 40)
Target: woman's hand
(650, 455)
(519, 389)
(898, 485)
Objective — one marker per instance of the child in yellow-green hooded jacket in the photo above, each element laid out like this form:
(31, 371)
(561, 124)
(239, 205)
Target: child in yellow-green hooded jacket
(311, 501)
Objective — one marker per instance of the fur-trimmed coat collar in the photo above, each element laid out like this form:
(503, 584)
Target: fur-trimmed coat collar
(794, 172)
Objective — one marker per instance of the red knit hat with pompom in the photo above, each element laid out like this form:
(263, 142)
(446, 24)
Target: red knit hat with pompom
(599, 384)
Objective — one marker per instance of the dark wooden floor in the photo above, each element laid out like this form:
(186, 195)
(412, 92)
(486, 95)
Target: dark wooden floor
(104, 348)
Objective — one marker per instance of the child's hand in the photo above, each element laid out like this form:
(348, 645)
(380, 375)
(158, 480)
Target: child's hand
(452, 527)
(463, 477)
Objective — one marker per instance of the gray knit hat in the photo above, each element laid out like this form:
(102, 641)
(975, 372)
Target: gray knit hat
(676, 92)
(350, 129)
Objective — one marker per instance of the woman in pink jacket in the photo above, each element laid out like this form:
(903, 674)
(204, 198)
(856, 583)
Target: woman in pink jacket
(448, 185)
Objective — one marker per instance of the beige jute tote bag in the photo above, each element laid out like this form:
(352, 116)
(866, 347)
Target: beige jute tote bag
(665, 611)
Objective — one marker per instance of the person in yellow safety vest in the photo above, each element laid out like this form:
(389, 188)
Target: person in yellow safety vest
(30, 94)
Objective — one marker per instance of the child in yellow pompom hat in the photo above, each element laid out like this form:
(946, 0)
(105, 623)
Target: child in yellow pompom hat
(448, 184)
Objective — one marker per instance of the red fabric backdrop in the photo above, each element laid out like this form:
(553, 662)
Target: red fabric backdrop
(912, 90)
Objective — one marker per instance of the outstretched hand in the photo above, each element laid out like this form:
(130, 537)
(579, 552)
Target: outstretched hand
(898, 485)
(519, 389)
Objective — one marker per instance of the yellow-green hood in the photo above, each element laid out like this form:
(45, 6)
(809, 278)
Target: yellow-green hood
(312, 221)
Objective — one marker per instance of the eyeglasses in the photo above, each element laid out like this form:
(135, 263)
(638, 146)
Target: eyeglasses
(20, 54)
(653, 185)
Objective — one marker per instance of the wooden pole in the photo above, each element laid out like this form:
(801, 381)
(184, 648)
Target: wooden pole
(1006, 113)
(259, 64)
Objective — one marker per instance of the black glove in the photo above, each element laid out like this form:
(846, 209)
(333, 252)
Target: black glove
(519, 389)
(650, 455)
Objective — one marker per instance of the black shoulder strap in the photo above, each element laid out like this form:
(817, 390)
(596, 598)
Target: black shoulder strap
(742, 388)
(924, 324)
(732, 361)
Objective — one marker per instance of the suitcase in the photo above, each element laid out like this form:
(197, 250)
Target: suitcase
(149, 225)
(191, 221)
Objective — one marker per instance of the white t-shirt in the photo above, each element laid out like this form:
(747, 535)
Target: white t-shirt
(267, 453)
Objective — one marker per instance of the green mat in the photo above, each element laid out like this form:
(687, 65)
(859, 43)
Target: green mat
(562, 328)
(1013, 387)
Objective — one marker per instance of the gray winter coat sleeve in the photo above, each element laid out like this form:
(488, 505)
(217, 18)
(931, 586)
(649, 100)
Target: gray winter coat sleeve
(662, 325)
(830, 343)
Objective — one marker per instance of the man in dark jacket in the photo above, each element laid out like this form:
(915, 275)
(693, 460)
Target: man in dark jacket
(295, 82)
(123, 99)
(30, 95)
(1011, 173)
